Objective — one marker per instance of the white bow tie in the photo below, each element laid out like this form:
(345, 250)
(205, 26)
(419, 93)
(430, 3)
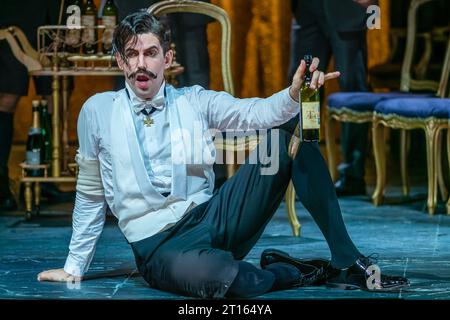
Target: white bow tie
(149, 106)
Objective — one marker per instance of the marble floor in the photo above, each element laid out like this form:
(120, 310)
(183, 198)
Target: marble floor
(409, 242)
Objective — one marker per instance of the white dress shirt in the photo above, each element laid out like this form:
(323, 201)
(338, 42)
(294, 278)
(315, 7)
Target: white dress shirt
(218, 109)
(156, 142)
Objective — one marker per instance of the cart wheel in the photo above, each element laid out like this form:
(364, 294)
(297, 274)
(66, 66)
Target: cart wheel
(28, 215)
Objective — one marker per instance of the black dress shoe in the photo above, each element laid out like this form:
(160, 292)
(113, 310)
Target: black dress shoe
(350, 187)
(314, 272)
(363, 275)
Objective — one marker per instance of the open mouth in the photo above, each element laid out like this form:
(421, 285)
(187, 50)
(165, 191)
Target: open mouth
(142, 81)
(142, 77)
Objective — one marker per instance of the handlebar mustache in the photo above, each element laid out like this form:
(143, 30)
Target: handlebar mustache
(143, 71)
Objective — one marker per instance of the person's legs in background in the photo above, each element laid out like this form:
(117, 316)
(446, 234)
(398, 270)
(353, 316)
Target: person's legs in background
(8, 104)
(316, 35)
(27, 15)
(350, 53)
(308, 38)
(13, 85)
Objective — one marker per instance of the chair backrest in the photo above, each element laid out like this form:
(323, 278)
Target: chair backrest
(213, 11)
(407, 81)
(443, 84)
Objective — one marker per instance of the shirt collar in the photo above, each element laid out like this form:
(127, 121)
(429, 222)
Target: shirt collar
(157, 102)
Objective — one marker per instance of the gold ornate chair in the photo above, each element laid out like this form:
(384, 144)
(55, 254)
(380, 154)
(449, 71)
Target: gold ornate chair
(240, 144)
(429, 114)
(358, 107)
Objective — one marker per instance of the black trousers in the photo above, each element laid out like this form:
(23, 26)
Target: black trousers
(315, 34)
(200, 256)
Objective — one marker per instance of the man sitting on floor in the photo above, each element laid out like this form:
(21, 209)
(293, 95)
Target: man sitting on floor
(141, 154)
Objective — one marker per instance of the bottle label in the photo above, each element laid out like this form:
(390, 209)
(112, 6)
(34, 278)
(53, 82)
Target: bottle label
(311, 115)
(33, 157)
(88, 33)
(72, 37)
(33, 130)
(88, 20)
(109, 22)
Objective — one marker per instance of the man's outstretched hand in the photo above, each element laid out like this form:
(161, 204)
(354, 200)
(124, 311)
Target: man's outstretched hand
(58, 275)
(317, 80)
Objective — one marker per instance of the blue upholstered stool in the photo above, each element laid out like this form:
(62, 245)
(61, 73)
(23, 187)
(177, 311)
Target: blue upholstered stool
(430, 114)
(415, 108)
(354, 107)
(364, 101)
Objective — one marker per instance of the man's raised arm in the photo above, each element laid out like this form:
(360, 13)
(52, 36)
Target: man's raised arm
(224, 111)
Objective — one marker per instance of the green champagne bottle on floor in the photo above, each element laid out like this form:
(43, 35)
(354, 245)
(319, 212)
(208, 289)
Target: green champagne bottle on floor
(109, 20)
(309, 108)
(89, 21)
(35, 143)
(46, 127)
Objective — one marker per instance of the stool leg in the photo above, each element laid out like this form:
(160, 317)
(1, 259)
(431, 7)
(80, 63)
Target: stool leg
(431, 132)
(65, 126)
(448, 158)
(37, 197)
(404, 145)
(378, 142)
(330, 144)
(440, 175)
(292, 214)
(28, 200)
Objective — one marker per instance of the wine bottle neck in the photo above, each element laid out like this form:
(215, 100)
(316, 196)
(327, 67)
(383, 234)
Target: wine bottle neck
(36, 119)
(308, 61)
(307, 77)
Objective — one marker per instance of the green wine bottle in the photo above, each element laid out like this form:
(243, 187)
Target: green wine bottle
(309, 108)
(73, 33)
(46, 126)
(89, 21)
(35, 143)
(109, 20)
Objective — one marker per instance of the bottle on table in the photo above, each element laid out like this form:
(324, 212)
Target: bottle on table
(46, 127)
(35, 143)
(309, 108)
(109, 20)
(89, 21)
(73, 33)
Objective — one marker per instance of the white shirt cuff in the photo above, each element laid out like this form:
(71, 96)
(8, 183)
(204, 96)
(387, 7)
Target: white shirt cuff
(73, 267)
(292, 106)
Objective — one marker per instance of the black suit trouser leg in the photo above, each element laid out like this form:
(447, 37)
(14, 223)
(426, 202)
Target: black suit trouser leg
(201, 255)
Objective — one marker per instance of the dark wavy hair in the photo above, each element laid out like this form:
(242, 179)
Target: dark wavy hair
(139, 23)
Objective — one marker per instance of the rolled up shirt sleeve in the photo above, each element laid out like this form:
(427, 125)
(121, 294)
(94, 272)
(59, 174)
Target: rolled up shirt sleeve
(87, 225)
(225, 112)
(90, 204)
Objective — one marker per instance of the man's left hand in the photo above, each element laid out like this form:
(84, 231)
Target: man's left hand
(317, 80)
